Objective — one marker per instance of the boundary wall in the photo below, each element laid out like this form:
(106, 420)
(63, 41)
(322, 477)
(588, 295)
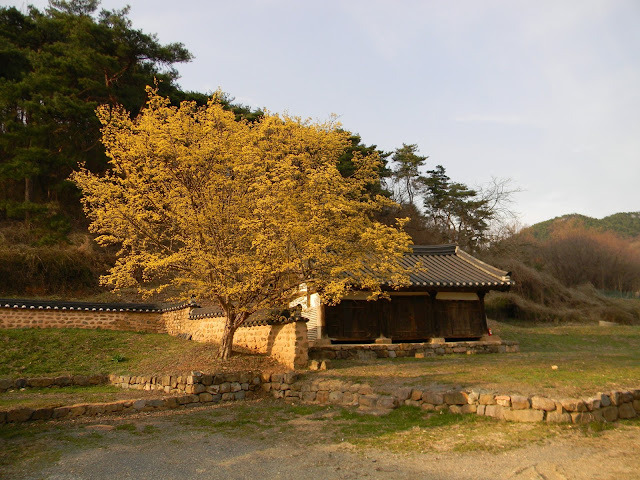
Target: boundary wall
(285, 341)
(201, 389)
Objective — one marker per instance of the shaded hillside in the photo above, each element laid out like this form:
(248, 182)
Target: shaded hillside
(624, 224)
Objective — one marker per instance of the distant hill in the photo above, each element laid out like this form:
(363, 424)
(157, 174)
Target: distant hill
(625, 224)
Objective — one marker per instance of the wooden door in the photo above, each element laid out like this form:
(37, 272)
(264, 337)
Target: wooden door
(354, 320)
(409, 318)
(460, 318)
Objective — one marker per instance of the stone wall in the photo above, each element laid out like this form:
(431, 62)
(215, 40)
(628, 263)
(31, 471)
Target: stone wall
(212, 387)
(603, 407)
(188, 391)
(44, 382)
(287, 343)
(136, 321)
(418, 350)
(201, 388)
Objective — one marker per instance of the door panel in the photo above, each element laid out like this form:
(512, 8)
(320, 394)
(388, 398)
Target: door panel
(409, 318)
(460, 318)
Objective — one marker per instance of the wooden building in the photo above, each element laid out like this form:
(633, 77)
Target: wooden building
(445, 299)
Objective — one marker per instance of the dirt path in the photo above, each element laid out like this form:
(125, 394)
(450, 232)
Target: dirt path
(240, 442)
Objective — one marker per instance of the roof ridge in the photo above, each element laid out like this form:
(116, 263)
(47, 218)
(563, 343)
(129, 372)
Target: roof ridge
(503, 275)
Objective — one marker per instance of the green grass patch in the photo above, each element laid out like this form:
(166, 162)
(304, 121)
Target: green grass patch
(34, 352)
(56, 396)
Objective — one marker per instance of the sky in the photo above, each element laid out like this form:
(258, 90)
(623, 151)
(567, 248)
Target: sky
(543, 92)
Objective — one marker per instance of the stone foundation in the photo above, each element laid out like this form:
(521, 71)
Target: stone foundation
(418, 350)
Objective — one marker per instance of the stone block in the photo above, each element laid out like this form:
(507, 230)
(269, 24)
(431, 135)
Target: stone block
(368, 400)
(240, 395)
(325, 364)
(463, 408)
(309, 396)
(277, 377)
(20, 382)
(60, 412)
(402, 393)
(18, 415)
(290, 377)
(365, 390)
(335, 397)
(487, 399)
(616, 398)
(587, 417)
(77, 410)
(206, 380)
(139, 404)
(574, 405)
(95, 409)
(314, 365)
(558, 416)
(225, 387)
(605, 400)
(349, 398)
(322, 396)
(156, 403)
(495, 411)
(81, 380)
(111, 407)
(386, 401)
(96, 379)
(519, 402)
(455, 398)
(542, 403)
(416, 395)
(235, 387)
(5, 384)
(40, 382)
(528, 415)
(472, 397)
(205, 397)
(503, 400)
(592, 403)
(626, 410)
(610, 413)
(435, 398)
(627, 397)
(636, 394)
(481, 409)
(636, 405)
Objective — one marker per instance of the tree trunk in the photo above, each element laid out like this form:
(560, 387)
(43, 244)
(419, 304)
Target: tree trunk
(226, 343)
(27, 200)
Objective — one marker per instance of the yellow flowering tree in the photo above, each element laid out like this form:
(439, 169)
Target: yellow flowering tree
(238, 212)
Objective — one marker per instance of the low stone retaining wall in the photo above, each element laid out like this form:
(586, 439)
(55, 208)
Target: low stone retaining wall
(419, 350)
(43, 382)
(185, 390)
(200, 388)
(604, 407)
(212, 387)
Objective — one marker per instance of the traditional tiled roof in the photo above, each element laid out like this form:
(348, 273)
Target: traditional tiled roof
(448, 266)
(86, 306)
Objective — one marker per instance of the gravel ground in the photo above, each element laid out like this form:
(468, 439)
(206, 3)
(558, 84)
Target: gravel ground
(198, 444)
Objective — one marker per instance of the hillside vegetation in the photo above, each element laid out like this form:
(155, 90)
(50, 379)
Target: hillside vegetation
(624, 224)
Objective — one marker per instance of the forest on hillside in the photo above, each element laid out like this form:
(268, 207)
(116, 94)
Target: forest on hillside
(58, 65)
